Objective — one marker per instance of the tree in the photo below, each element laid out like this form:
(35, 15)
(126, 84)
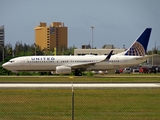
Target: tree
(69, 51)
(4, 71)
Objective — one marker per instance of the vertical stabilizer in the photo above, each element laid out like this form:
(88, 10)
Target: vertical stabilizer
(139, 47)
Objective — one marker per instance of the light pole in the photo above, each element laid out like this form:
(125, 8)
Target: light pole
(35, 46)
(92, 35)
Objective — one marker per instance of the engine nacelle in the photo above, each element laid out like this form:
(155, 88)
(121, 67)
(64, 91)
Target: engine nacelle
(63, 70)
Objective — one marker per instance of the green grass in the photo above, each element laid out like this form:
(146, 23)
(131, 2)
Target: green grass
(102, 104)
(89, 104)
(102, 78)
(34, 104)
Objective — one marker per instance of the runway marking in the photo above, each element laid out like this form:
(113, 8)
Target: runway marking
(80, 85)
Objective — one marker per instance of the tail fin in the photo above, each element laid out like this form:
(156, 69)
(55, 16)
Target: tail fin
(139, 47)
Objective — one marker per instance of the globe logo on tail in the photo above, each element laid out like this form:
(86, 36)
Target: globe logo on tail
(136, 50)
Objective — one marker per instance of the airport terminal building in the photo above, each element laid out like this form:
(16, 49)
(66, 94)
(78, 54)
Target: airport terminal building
(96, 51)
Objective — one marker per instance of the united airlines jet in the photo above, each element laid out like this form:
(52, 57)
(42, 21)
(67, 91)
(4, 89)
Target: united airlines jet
(66, 64)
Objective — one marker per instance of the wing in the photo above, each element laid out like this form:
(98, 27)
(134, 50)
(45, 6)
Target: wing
(88, 64)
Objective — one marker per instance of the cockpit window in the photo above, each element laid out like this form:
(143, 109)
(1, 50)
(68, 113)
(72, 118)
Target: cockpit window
(11, 61)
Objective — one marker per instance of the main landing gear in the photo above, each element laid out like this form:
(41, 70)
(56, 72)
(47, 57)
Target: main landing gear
(78, 73)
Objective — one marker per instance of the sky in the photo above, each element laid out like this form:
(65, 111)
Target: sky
(117, 22)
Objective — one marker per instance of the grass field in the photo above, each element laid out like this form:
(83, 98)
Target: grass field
(90, 104)
(102, 78)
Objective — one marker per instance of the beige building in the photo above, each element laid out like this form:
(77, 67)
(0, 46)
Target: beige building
(96, 51)
(53, 36)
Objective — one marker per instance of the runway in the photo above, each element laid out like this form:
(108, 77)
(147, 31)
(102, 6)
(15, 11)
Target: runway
(78, 85)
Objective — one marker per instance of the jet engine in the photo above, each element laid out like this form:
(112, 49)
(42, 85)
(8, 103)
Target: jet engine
(63, 70)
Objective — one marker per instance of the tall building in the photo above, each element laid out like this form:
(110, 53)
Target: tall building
(53, 36)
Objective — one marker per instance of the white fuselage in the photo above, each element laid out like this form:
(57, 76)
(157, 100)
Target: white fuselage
(49, 63)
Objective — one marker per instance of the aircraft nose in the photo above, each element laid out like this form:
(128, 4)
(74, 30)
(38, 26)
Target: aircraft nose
(4, 65)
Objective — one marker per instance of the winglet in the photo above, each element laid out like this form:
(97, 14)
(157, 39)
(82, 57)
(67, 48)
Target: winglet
(108, 56)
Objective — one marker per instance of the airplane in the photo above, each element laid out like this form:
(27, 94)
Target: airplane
(134, 55)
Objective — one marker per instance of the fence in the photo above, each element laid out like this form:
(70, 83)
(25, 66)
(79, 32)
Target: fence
(57, 104)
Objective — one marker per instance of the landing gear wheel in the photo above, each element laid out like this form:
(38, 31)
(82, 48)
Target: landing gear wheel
(78, 73)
